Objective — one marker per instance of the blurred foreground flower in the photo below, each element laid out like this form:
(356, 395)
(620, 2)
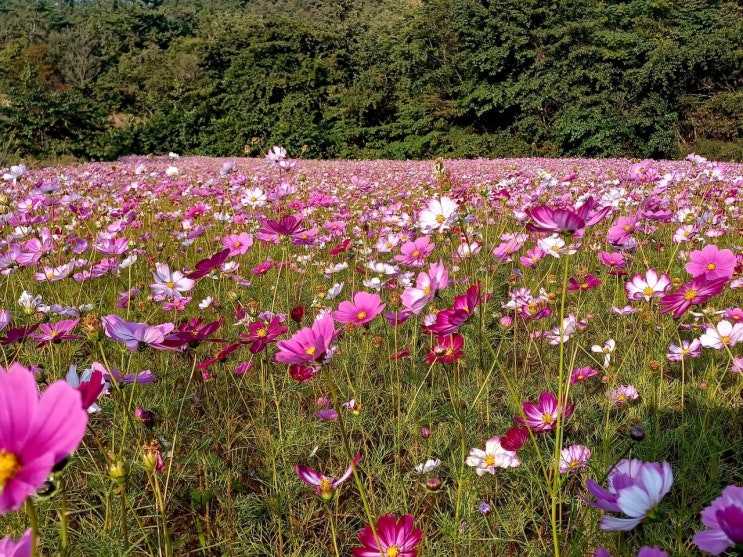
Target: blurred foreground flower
(36, 432)
(724, 518)
(396, 538)
(634, 488)
(21, 548)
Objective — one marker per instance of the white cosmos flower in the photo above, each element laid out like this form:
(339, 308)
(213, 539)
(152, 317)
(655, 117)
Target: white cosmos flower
(724, 334)
(494, 456)
(429, 466)
(439, 216)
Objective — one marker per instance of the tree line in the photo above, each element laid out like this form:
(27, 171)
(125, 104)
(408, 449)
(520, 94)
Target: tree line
(97, 79)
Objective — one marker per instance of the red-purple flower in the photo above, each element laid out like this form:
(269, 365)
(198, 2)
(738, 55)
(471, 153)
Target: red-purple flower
(36, 432)
(261, 333)
(693, 293)
(447, 349)
(586, 283)
(396, 538)
(324, 486)
(362, 310)
(206, 266)
(542, 417)
(285, 226)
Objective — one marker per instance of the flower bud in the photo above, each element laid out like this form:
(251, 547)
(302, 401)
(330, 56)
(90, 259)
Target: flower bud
(637, 433)
(425, 432)
(433, 483)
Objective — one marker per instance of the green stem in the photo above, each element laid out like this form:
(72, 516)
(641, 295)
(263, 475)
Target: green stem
(332, 531)
(33, 518)
(122, 507)
(63, 524)
(163, 516)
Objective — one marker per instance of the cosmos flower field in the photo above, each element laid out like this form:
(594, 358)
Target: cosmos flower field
(300, 358)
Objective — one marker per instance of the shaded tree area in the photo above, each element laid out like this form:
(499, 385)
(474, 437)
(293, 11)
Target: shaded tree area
(371, 78)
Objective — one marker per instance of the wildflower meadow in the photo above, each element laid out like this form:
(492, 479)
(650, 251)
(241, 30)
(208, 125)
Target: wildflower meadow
(285, 357)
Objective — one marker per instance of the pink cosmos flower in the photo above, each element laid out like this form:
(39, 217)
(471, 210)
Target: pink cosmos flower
(634, 488)
(36, 432)
(135, 335)
(532, 257)
(648, 287)
(494, 456)
(55, 332)
(724, 518)
(21, 548)
(546, 219)
(238, 244)
(621, 232)
(693, 293)
(711, 263)
(414, 253)
(581, 374)
(363, 309)
(612, 260)
(169, 284)
(309, 344)
(542, 417)
(574, 458)
(447, 349)
(688, 349)
(324, 486)
(396, 538)
(623, 394)
(261, 333)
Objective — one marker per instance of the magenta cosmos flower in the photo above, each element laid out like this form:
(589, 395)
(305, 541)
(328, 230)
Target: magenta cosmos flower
(363, 309)
(724, 518)
(546, 219)
(693, 293)
(397, 538)
(711, 263)
(324, 486)
(262, 332)
(21, 548)
(36, 432)
(542, 417)
(634, 488)
(309, 344)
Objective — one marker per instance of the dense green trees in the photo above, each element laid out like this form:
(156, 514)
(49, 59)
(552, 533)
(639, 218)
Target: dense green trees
(371, 78)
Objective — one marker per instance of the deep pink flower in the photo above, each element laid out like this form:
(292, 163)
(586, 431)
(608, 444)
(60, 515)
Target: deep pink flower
(612, 259)
(309, 344)
(324, 486)
(514, 438)
(724, 518)
(621, 232)
(587, 283)
(55, 332)
(546, 219)
(581, 374)
(397, 538)
(542, 417)
(414, 253)
(363, 309)
(693, 293)
(36, 432)
(711, 263)
(285, 226)
(238, 244)
(447, 349)
(206, 266)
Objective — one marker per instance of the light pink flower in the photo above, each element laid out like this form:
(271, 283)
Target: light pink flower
(363, 309)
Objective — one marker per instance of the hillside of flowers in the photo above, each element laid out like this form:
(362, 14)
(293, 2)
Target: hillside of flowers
(281, 357)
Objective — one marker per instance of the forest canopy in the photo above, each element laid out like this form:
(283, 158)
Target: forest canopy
(371, 78)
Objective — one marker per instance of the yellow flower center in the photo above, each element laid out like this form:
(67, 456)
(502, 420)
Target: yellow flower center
(621, 398)
(685, 351)
(361, 315)
(262, 333)
(170, 284)
(427, 291)
(580, 377)
(489, 460)
(310, 350)
(725, 340)
(439, 219)
(711, 266)
(9, 467)
(547, 419)
(50, 275)
(237, 244)
(392, 551)
(647, 291)
(574, 464)
(690, 294)
(416, 253)
(326, 489)
(627, 228)
(583, 285)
